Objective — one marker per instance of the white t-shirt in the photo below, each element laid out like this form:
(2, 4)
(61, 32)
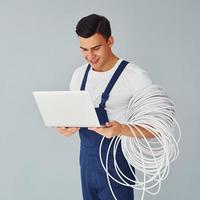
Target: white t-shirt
(132, 79)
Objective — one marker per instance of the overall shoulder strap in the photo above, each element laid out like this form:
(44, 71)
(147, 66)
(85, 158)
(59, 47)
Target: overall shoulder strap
(85, 77)
(112, 82)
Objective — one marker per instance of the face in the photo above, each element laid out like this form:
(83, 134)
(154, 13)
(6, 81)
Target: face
(96, 50)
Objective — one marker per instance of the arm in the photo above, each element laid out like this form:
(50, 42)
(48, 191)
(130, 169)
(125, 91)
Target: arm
(115, 128)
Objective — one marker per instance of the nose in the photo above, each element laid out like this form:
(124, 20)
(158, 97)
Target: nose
(90, 55)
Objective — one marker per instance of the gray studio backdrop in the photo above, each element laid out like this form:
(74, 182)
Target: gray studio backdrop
(39, 51)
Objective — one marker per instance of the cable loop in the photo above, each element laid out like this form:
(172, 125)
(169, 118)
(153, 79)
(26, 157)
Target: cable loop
(152, 109)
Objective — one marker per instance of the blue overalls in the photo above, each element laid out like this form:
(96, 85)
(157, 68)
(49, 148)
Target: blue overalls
(93, 177)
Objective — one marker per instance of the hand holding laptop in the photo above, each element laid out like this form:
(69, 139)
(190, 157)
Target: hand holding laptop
(67, 131)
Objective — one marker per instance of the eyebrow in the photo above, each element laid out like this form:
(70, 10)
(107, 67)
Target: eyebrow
(91, 47)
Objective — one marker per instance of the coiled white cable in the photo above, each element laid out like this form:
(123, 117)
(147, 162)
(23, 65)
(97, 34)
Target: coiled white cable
(152, 109)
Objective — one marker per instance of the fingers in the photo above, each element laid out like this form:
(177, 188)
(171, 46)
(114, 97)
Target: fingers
(67, 131)
(108, 124)
(105, 131)
(111, 129)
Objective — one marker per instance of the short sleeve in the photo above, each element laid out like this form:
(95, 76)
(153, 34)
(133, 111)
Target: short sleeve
(136, 78)
(77, 78)
(143, 80)
(74, 81)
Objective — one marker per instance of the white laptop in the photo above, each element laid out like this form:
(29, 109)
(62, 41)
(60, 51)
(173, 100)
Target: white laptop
(66, 108)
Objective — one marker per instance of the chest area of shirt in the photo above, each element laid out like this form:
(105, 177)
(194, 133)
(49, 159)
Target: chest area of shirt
(119, 95)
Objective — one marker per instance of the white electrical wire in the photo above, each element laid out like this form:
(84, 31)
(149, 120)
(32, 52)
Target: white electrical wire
(153, 110)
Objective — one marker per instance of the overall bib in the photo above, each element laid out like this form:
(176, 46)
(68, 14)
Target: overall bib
(93, 177)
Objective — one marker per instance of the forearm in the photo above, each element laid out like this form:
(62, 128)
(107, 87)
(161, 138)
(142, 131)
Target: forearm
(126, 131)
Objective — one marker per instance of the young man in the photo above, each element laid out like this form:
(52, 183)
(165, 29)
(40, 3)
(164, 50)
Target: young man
(111, 82)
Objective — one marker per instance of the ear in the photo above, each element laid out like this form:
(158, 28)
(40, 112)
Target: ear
(110, 41)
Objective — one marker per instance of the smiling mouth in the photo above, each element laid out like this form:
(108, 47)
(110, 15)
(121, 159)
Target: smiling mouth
(94, 62)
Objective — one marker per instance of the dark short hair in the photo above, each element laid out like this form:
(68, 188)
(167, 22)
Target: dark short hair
(91, 24)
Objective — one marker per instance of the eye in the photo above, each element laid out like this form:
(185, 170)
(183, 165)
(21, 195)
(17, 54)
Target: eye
(97, 48)
(84, 50)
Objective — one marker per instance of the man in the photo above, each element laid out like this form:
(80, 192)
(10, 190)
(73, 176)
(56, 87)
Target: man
(111, 82)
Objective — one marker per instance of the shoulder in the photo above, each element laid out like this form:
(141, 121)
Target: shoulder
(77, 77)
(134, 69)
(80, 70)
(137, 77)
